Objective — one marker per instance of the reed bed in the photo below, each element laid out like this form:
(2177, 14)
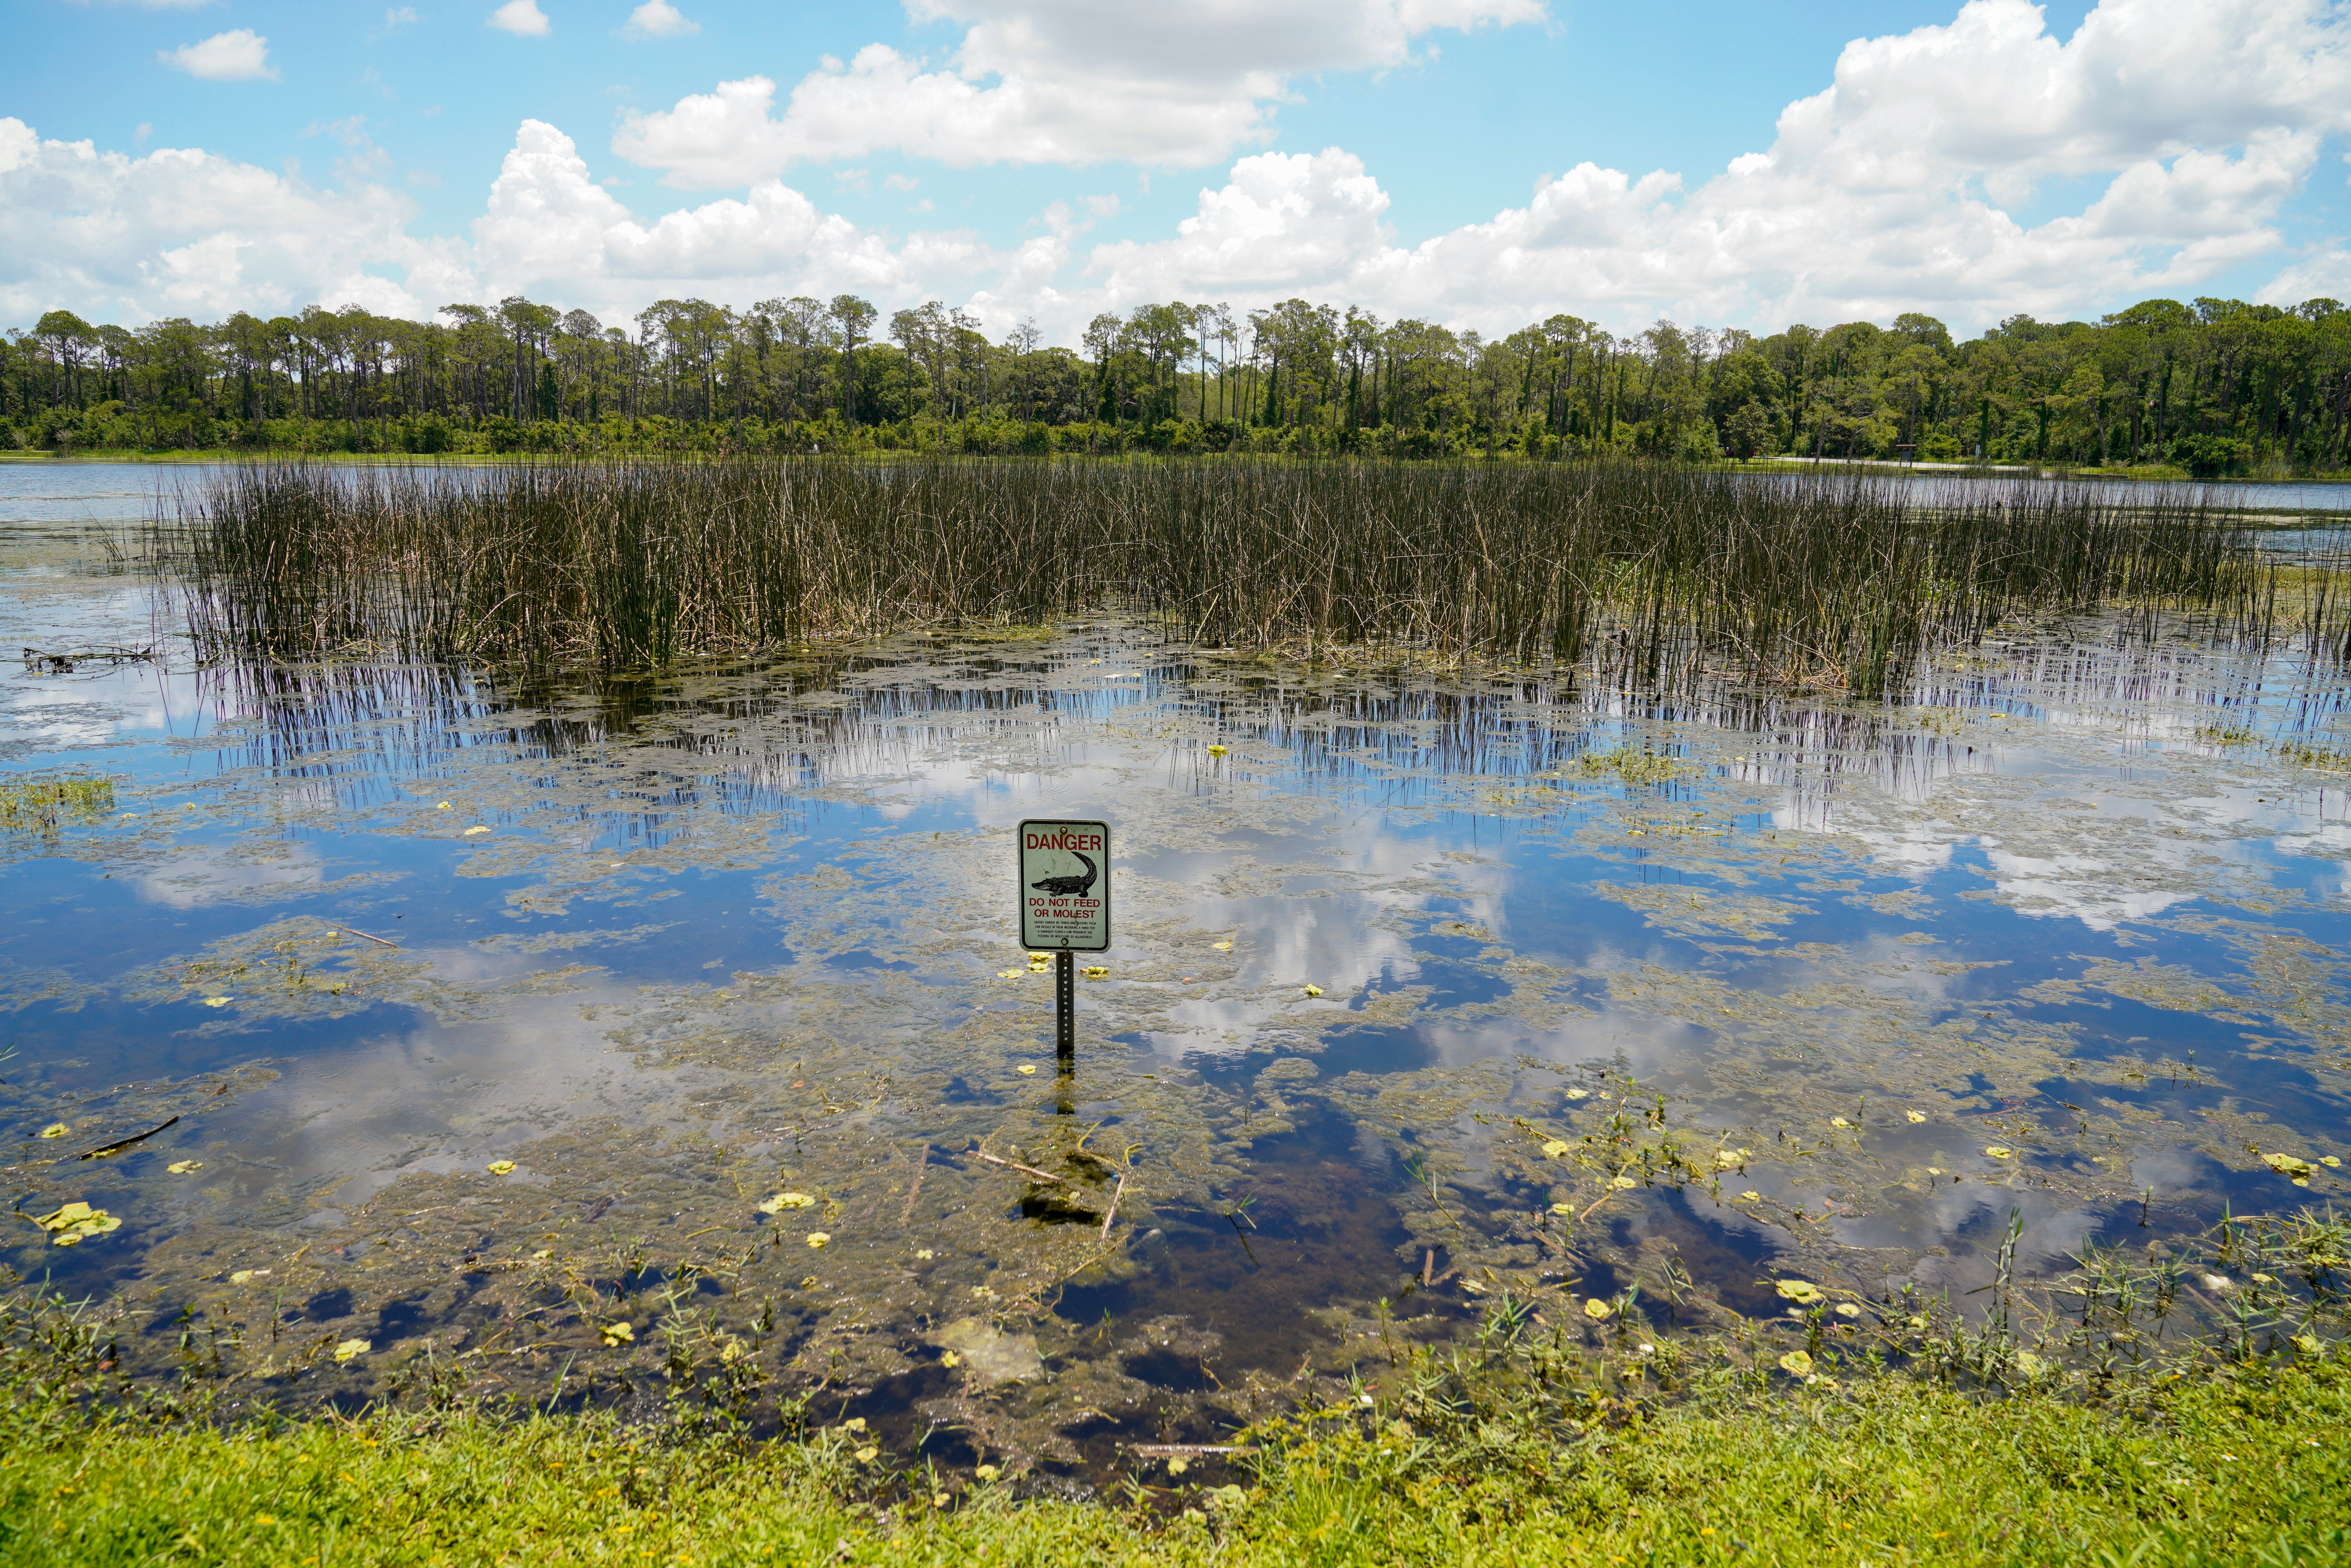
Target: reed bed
(1646, 573)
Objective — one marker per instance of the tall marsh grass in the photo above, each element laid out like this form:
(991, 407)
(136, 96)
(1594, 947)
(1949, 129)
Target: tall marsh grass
(1647, 573)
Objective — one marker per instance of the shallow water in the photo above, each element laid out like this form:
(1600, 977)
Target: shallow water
(1944, 486)
(1432, 983)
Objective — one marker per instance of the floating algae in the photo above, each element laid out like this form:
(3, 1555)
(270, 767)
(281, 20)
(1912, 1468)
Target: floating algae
(989, 1354)
(1437, 986)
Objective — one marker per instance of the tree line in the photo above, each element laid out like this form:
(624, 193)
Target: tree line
(2214, 386)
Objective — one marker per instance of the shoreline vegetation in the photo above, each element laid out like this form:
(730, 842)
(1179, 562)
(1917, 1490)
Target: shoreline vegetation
(2184, 1405)
(1638, 574)
(2148, 474)
(2211, 387)
(2237, 1467)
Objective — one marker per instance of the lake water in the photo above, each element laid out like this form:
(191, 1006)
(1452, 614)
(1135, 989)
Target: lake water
(1430, 986)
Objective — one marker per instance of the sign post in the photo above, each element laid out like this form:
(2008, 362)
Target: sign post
(1064, 893)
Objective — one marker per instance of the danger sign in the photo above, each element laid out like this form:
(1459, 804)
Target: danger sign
(1065, 886)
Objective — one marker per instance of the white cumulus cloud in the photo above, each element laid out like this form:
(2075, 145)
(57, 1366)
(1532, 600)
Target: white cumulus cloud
(658, 19)
(1047, 81)
(238, 55)
(551, 230)
(523, 18)
(185, 232)
(1905, 183)
(2325, 276)
(1889, 191)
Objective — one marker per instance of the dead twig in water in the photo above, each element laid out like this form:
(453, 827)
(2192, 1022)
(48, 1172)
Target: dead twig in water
(355, 931)
(922, 1163)
(1605, 1195)
(1112, 1215)
(63, 664)
(119, 1144)
(1024, 1170)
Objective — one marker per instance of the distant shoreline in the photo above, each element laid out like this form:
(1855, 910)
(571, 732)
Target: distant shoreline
(1782, 462)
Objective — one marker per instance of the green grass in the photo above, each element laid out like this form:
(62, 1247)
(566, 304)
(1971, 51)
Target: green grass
(2131, 1436)
(2237, 1465)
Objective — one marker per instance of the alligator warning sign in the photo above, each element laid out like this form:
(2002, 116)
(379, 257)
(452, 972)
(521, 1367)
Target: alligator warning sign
(1065, 886)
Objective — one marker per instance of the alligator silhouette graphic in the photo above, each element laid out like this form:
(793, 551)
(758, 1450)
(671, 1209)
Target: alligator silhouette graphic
(1063, 886)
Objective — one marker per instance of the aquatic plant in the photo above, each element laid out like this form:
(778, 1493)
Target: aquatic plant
(43, 805)
(1646, 574)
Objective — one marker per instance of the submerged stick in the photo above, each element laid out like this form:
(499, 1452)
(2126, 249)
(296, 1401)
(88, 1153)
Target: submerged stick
(1024, 1170)
(72, 656)
(1112, 1215)
(119, 1144)
(1596, 1202)
(922, 1163)
(355, 931)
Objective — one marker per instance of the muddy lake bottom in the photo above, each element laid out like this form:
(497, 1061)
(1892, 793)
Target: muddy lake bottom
(591, 1041)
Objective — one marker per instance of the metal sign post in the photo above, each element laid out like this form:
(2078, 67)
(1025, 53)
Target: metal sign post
(1065, 1006)
(1064, 894)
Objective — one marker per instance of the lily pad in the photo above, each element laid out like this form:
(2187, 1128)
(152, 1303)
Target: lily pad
(76, 1222)
(2299, 1171)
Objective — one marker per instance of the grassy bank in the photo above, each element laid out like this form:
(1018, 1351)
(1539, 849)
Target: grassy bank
(1647, 573)
(2246, 1466)
(2136, 1432)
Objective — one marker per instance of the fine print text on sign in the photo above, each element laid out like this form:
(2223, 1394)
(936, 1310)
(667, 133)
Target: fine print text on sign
(1065, 886)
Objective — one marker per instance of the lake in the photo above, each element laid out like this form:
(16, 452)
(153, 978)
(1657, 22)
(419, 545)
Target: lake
(562, 1030)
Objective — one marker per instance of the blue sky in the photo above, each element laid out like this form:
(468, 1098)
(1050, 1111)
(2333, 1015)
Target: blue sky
(1052, 158)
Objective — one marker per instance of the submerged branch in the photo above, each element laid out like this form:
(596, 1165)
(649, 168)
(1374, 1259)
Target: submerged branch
(120, 1145)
